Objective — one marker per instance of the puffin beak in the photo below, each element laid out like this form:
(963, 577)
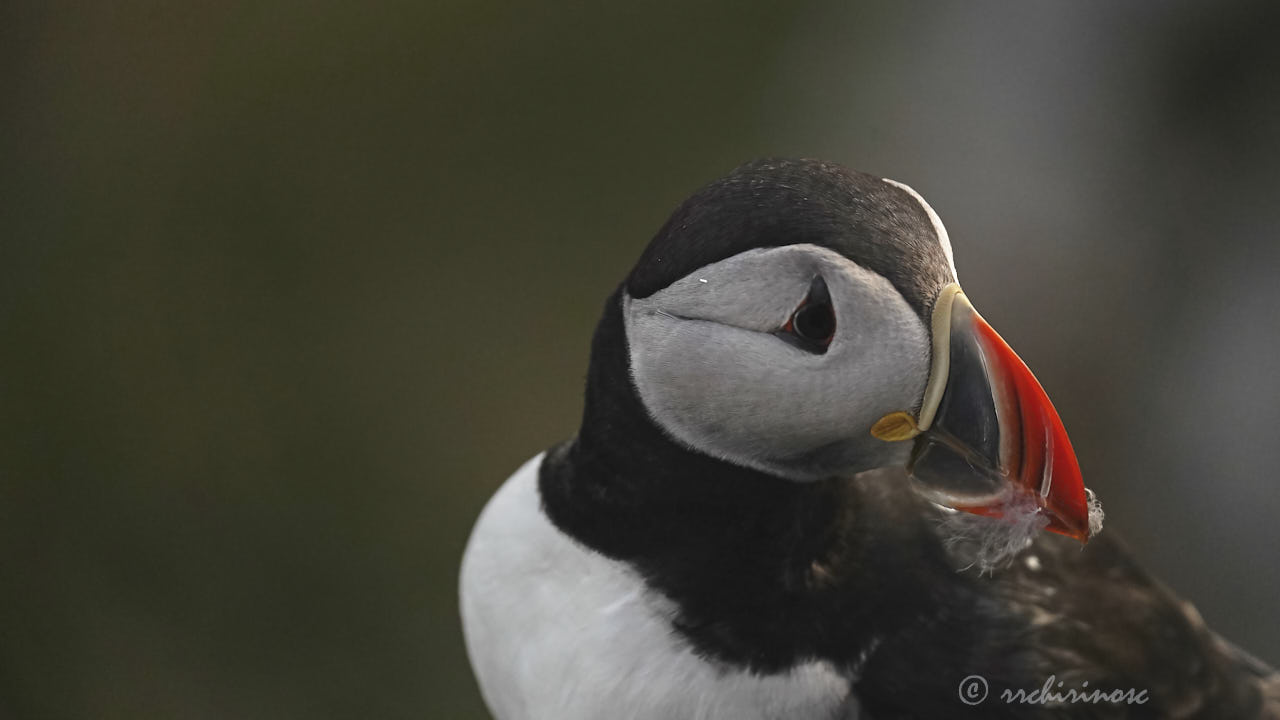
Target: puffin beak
(988, 440)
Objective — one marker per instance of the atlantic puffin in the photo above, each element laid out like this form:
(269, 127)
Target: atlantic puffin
(812, 483)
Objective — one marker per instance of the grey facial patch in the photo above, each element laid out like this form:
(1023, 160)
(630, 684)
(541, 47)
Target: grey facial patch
(711, 372)
(756, 290)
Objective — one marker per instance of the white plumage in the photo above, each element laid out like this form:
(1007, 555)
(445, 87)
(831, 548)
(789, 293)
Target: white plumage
(587, 640)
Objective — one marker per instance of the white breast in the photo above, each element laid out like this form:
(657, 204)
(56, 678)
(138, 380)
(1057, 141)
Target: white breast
(557, 631)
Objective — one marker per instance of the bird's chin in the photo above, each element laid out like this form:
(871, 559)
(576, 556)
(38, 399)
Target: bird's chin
(839, 459)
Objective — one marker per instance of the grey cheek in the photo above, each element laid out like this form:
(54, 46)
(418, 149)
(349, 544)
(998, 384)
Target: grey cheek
(708, 382)
(744, 396)
(756, 290)
(754, 400)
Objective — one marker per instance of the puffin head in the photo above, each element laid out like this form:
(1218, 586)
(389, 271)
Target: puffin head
(805, 321)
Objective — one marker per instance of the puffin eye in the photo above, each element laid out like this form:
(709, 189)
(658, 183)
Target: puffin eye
(813, 324)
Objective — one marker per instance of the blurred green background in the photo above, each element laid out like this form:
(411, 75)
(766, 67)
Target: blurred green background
(287, 289)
